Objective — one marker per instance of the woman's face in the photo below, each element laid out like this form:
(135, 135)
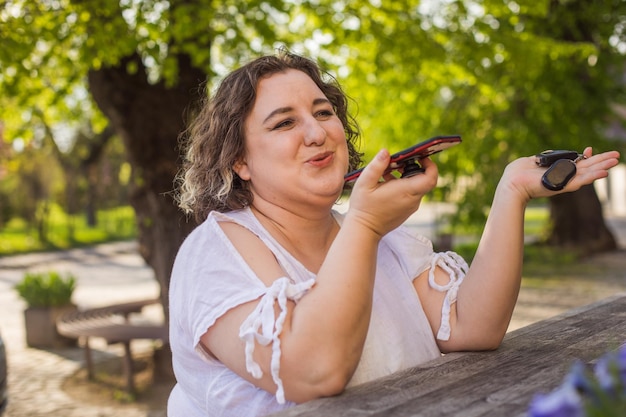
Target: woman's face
(296, 148)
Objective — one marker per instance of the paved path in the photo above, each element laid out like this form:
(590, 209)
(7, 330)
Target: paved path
(115, 273)
(106, 274)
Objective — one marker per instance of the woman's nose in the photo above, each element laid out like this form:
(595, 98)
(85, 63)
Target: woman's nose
(315, 133)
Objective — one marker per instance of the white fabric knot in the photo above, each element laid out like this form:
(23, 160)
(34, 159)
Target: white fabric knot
(456, 267)
(260, 326)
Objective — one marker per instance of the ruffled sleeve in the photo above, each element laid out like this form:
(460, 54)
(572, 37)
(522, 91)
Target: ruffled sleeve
(456, 267)
(262, 327)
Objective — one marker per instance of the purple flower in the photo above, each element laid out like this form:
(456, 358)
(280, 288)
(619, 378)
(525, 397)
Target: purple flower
(621, 363)
(578, 378)
(585, 393)
(610, 371)
(562, 402)
(603, 372)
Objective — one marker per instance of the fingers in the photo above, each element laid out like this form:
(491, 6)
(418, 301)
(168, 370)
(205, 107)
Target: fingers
(429, 165)
(589, 159)
(375, 169)
(523, 176)
(602, 161)
(592, 168)
(382, 202)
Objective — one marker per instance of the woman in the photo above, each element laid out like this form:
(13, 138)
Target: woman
(275, 299)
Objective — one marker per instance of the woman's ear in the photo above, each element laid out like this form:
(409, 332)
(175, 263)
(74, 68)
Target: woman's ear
(241, 168)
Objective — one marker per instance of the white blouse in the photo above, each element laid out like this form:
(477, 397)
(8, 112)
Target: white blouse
(210, 277)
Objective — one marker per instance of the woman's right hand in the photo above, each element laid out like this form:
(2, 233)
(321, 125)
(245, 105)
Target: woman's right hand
(383, 205)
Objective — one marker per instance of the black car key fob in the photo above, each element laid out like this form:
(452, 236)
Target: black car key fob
(547, 158)
(558, 175)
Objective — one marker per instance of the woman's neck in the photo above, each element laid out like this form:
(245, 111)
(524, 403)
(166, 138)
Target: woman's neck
(307, 236)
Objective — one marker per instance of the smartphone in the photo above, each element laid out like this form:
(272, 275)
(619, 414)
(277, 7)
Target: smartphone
(408, 159)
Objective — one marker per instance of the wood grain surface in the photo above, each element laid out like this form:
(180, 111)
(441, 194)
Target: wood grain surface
(499, 383)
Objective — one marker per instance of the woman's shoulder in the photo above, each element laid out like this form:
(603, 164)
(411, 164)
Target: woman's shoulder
(209, 237)
(209, 253)
(210, 226)
(243, 217)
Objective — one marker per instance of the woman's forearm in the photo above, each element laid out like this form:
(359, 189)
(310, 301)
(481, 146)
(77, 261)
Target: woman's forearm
(488, 295)
(331, 322)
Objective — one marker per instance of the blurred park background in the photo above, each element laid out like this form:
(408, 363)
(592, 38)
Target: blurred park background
(94, 96)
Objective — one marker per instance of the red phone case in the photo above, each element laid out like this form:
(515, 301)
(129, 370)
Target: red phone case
(419, 151)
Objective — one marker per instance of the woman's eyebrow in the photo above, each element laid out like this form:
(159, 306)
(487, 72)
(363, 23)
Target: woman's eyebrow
(321, 100)
(283, 110)
(280, 110)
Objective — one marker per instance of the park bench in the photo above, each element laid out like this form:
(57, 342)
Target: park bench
(113, 324)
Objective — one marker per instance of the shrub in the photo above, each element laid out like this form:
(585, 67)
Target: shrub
(47, 289)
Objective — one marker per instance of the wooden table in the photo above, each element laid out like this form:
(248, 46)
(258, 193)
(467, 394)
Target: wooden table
(500, 383)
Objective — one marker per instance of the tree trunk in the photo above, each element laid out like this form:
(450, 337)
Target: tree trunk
(88, 167)
(90, 204)
(149, 118)
(578, 223)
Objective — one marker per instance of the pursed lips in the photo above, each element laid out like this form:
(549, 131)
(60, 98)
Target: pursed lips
(321, 159)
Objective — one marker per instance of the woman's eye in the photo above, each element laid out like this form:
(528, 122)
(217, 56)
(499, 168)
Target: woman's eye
(325, 113)
(283, 124)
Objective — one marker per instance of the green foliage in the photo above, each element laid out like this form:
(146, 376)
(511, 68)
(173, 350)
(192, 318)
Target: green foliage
(538, 259)
(113, 224)
(46, 289)
(74, 179)
(544, 257)
(50, 47)
(32, 177)
(512, 77)
(466, 236)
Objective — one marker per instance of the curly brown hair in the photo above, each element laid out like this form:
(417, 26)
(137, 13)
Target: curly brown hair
(215, 138)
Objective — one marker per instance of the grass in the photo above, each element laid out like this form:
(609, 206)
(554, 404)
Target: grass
(535, 223)
(548, 268)
(544, 266)
(119, 224)
(65, 231)
(536, 220)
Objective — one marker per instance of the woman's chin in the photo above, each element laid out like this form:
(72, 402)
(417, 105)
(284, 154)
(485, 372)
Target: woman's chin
(329, 193)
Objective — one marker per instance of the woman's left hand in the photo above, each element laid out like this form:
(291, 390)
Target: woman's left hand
(524, 175)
